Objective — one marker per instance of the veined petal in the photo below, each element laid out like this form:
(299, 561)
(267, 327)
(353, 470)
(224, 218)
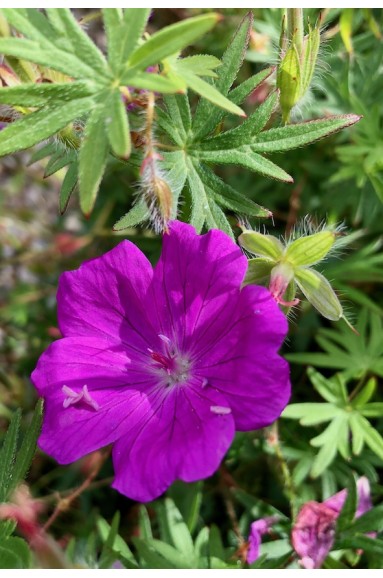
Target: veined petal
(196, 277)
(183, 439)
(92, 376)
(106, 297)
(244, 364)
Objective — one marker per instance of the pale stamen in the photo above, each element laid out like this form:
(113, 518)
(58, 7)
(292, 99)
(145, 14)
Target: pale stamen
(73, 397)
(220, 410)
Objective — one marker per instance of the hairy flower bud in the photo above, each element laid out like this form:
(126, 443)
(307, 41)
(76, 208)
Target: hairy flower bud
(298, 60)
(286, 266)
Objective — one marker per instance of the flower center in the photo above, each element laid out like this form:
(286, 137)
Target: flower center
(170, 365)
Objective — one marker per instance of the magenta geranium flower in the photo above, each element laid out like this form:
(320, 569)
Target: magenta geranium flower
(165, 362)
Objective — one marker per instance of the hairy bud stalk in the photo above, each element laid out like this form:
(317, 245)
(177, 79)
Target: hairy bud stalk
(154, 187)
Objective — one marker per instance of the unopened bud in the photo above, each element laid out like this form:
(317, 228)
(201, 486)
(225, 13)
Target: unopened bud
(298, 60)
(310, 249)
(289, 81)
(319, 293)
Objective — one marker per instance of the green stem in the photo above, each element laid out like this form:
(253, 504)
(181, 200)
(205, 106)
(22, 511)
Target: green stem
(285, 471)
(295, 27)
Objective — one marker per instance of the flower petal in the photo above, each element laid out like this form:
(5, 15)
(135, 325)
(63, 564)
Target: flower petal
(182, 439)
(244, 363)
(71, 432)
(196, 276)
(106, 297)
(313, 533)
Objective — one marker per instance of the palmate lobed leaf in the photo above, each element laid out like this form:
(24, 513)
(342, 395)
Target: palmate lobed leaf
(296, 135)
(171, 40)
(42, 124)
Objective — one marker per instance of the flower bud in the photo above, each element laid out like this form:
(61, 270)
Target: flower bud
(298, 59)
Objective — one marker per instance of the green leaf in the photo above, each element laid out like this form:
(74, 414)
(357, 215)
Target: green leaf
(28, 447)
(357, 434)
(8, 455)
(59, 160)
(244, 133)
(178, 530)
(25, 21)
(345, 27)
(133, 27)
(112, 18)
(371, 436)
(200, 202)
(45, 94)
(201, 64)
(52, 58)
(82, 46)
(175, 557)
(154, 82)
(209, 92)
(41, 124)
(328, 450)
(206, 116)
(171, 39)
(93, 157)
(43, 152)
(244, 157)
(179, 113)
(374, 409)
(324, 387)
(371, 521)
(311, 413)
(118, 126)
(68, 185)
(150, 557)
(144, 524)
(365, 394)
(216, 548)
(118, 545)
(296, 135)
(360, 542)
(350, 505)
(135, 216)
(13, 555)
(216, 219)
(188, 498)
(243, 90)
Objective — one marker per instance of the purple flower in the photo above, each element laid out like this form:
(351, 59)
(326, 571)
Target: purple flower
(164, 363)
(257, 530)
(313, 534)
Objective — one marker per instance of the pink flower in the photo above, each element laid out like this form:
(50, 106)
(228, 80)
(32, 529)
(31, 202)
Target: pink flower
(313, 534)
(164, 363)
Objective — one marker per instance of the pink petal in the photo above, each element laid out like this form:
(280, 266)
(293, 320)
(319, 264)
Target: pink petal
(182, 439)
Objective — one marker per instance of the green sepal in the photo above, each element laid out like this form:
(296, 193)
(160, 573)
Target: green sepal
(319, 293)
(310, 249)
(266, 246)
